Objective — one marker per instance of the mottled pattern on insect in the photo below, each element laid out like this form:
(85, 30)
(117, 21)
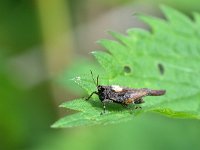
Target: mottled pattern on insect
(122, 95)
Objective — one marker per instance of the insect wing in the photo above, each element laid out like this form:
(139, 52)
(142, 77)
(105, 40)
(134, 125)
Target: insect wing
(133, 95)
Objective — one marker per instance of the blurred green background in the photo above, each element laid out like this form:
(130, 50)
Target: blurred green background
(43, 44)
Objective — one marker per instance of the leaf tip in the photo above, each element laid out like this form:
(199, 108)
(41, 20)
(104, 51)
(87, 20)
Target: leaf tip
(61, 105)
(54, 125)
(111, 32)
(94, 52)
(166, 8)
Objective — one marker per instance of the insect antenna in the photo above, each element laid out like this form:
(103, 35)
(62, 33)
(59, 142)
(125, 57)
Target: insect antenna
(96, 83)
(97, 80)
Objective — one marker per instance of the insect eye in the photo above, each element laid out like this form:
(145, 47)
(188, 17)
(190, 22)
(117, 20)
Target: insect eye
(100, 88)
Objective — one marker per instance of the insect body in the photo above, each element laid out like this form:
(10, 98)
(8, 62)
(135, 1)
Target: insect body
(123, 95)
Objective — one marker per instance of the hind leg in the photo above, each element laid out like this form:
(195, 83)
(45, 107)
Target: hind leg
(138, 101)
(131, 109)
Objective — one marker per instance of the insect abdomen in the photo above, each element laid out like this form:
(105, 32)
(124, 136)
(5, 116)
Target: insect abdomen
(156, 92)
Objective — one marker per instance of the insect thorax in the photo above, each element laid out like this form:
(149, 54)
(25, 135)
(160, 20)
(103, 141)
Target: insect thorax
(109, 92)
(105, 92)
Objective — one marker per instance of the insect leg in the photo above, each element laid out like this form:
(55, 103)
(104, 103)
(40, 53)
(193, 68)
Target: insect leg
(104, 105)
(138, 107)
(95, 92)
(130, 109)
(139, 101)
(125, 105)
(104, 108)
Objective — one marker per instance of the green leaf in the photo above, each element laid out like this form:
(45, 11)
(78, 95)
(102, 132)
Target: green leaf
(166, 58)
